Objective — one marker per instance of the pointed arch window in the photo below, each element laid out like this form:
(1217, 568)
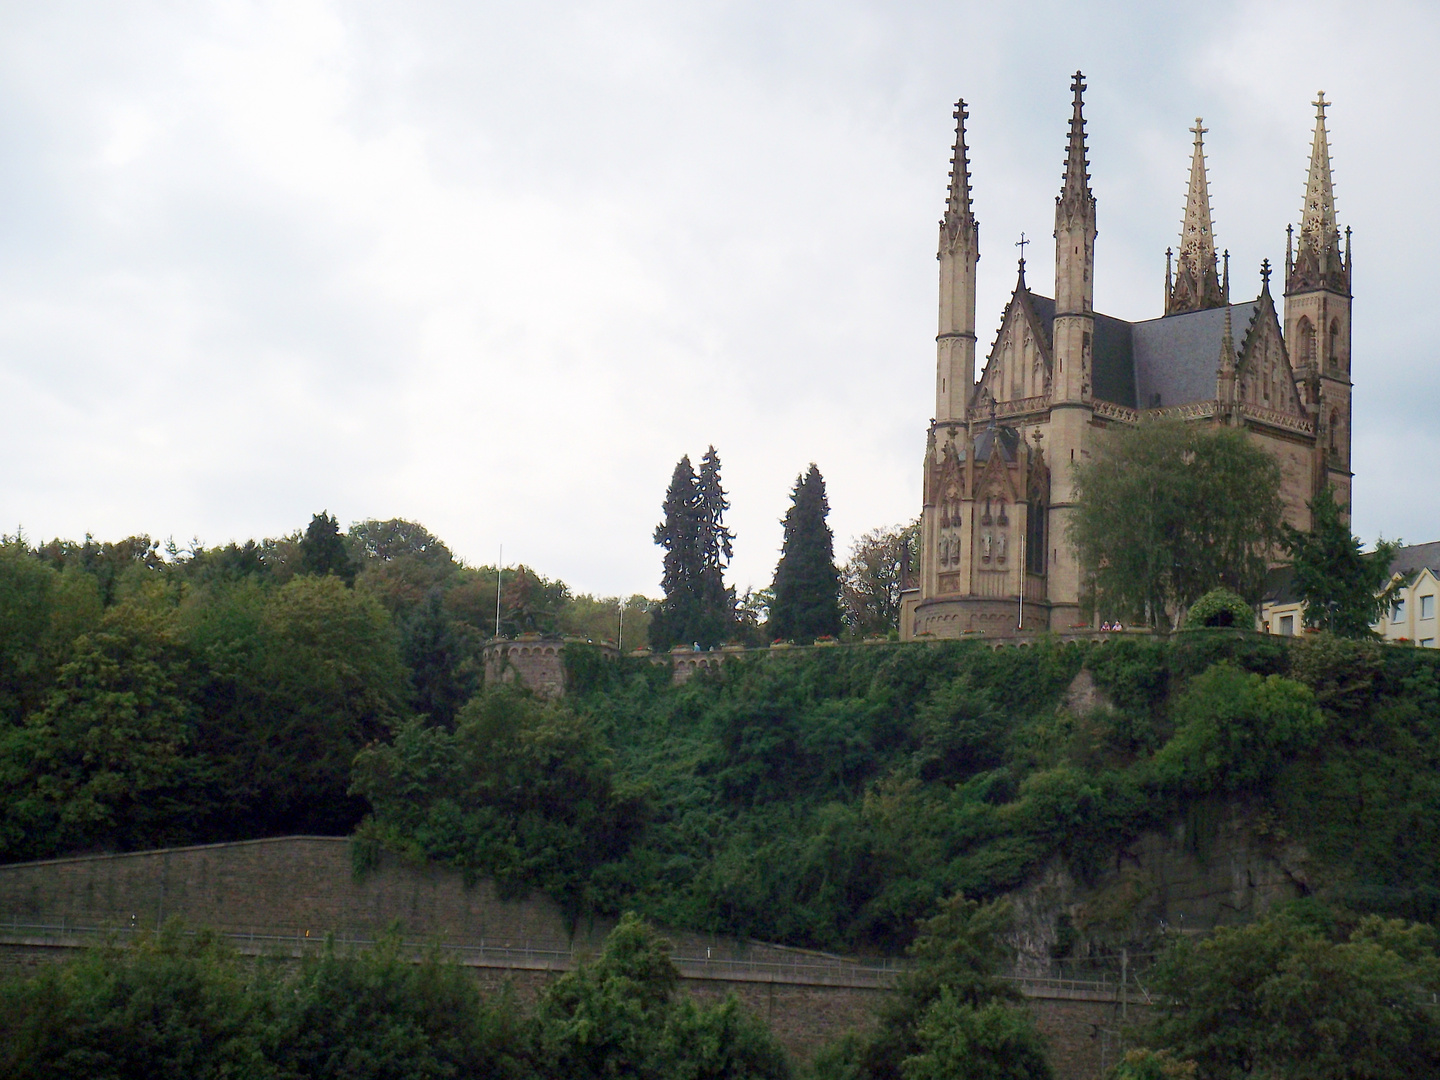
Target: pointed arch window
(1334, 352)
(1305, 340)
(1334, 429)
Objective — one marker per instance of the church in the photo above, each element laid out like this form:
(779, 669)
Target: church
(997, 491)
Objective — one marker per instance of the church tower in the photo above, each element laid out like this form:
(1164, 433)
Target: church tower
(958, 253)
(1071, 407)
(1317, 317)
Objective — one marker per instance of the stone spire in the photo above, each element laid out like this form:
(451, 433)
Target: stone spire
(1197, 284)
(958, 212)
(1075, 191)
(1075, 219)
(1318, 263)
(958, 253)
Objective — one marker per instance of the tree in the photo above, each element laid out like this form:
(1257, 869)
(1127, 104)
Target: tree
(951, 1014)
(1344, 591)
(109, 760)
(442, 671)
(322, 551)
(717, 602)
(871, 580)
(807, 585)
(1294, 997)
(521, 790)
(1170, 510)
(620, 1016)
(679, 614)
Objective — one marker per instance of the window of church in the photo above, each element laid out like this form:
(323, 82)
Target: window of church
(1334, 342)
(1305, 335)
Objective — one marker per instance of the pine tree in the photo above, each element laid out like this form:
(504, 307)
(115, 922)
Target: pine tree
(807, 585)
(680, 535)
(1344, 591)
(322, 550)
(717, 603)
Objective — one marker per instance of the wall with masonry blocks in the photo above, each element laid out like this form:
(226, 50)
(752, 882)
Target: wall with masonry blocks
(307, 883)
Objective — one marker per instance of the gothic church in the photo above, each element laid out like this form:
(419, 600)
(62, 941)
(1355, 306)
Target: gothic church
(997, 487)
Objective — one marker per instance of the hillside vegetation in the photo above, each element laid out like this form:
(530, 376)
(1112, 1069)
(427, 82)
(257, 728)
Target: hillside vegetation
(823, 797)
(832, 797)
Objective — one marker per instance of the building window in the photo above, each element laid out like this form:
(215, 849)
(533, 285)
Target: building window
(1427, 607)
(1287, 624)
(1398, 613)
(1305, 332)
(1427, 643)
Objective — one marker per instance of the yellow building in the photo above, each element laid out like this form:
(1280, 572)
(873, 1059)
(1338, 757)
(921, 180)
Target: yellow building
(1413, 617)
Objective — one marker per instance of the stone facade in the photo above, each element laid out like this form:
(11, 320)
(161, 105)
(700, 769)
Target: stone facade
(997, 488)
(534, 661)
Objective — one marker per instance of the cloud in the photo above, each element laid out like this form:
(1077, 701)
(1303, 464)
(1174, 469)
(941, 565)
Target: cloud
(495, 267)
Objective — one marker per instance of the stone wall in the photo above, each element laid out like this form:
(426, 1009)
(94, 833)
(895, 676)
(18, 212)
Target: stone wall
(300, 884)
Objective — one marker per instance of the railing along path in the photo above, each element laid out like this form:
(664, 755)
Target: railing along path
(806, 969)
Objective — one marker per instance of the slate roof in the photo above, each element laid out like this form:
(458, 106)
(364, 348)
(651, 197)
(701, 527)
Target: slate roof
(1176, 357)
(1280, 586)
(1159, 362)
(1410, 559)
(1007, 437)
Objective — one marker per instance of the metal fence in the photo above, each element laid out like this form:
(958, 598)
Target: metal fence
(535, 955)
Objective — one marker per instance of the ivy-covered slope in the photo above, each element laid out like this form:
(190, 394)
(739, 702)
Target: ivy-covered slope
(830, 797)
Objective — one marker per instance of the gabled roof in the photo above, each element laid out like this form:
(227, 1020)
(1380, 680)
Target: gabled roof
(1410, 559)
(1007, 438)
(1112, 362)
(1176, 356)
(1160, 362)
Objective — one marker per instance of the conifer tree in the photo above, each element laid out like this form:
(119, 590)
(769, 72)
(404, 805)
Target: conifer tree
(680, 535)
(807, 584)
(717, 602)
(1344, 590)
(322, 550)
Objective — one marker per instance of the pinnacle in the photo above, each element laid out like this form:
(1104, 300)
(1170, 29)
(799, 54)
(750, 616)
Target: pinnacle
(1077, 175)
(1317, 258)
(1317, 221)
(958, 203)
(1197, 285)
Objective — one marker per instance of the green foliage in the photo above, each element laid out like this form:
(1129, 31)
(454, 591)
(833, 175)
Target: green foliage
(870, 581)
(170, 1006)
(1295, 995)
(521, 791)
(1169, 511)
(807, 585)
(1344, 590)
(1220, 608)
(1235, 730)
(183, 1006)
(323, 550)
(1145, 1064)
(951, 1015)
(697, 607)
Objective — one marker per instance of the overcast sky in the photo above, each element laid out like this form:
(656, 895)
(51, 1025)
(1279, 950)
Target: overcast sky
(494, 267)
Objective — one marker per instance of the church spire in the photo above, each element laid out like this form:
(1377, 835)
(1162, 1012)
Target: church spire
(1076, 186)
(1197, 284)
(957, 206)
(959, 251)
(1317, 261)
(1075, 219)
